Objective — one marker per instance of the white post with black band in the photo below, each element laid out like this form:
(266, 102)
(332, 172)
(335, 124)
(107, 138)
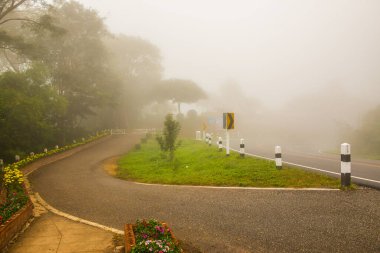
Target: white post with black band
(345, 164)
(210, 140)
(278, 157)
(242, 148)
(220, 144)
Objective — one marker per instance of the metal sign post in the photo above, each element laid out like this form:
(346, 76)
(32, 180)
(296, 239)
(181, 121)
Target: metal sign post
(227, 143)
(228, 124)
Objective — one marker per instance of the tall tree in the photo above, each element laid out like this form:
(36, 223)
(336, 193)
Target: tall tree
(29, 111)
(137, 64)
(179, 91)
(77, 60)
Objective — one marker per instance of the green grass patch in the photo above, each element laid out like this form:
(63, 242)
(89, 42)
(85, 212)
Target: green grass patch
(198, 164)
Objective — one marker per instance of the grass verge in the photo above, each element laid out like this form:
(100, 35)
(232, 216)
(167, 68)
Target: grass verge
(198, 164)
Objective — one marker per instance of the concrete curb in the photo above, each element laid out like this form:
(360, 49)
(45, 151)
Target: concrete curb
(74, 218)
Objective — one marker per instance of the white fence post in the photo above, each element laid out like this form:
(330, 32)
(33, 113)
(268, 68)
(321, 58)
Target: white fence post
(345, 164)
(198, 135)
(278, 157)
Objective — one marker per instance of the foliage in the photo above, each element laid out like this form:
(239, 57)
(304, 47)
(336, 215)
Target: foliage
(15, 201)
(63, 75)
(168, 139)
(29, 111)
(180, 91)
(153, 236)
(199, 164)
(13, 178)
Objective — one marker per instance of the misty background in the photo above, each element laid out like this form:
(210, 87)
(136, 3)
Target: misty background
(301, 74)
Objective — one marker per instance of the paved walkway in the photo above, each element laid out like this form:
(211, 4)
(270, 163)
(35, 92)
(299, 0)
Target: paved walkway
(52, 233)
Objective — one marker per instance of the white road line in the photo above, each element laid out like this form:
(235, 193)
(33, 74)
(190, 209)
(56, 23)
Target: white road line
(74, 218)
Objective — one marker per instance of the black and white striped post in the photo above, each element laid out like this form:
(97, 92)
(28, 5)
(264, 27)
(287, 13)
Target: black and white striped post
(345, 164)
(210, 140)
(220, 144)
(278, 157)
(242, 148)
(206, 138)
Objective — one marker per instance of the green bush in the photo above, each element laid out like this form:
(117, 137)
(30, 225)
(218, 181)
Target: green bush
(168, 139)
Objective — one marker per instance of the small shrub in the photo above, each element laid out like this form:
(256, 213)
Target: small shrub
(168, 139)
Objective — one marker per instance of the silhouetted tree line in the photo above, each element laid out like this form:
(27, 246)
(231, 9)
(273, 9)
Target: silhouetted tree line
(63, 75)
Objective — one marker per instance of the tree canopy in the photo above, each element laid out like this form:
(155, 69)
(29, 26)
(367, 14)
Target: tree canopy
(63, 74)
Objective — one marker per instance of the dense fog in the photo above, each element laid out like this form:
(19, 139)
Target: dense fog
(300, 74)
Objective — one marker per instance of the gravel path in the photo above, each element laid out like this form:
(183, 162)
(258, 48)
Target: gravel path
(213, 220)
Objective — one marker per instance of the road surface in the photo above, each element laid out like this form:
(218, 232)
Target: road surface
(213, 219)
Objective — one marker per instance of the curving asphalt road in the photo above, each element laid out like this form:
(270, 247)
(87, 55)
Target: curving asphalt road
(212, 219)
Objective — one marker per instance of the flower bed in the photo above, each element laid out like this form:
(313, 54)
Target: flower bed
(15, 224)
(150, 236)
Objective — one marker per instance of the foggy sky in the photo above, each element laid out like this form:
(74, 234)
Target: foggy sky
(276, 50)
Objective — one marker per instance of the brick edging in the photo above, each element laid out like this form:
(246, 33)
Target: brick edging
(15, 224)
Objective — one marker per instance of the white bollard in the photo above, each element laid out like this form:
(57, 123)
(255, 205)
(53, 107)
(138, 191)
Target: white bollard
(74, 141)
(56, 147)
(82, 139)
(198, 135)
(210, 140)
(17, 158)
(45, 150)
(278, 157)
(345, 164)
(31, 153)
(242, 148)
(220, 144)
